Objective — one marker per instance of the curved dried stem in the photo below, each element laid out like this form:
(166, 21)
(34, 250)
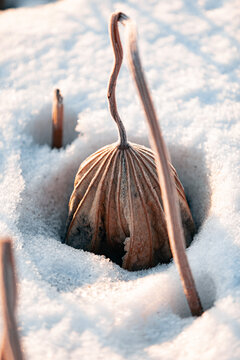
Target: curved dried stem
(11, 349)
(118, 53)
(57, 120)
(168, 188)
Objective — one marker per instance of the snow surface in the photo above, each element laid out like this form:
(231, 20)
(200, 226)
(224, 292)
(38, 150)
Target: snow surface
(76, 305)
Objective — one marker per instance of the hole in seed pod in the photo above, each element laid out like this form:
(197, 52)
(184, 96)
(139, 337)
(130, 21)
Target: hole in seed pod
(40, 127)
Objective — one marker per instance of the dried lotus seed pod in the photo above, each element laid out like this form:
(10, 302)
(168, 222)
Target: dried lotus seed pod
(116, 208)
(116, 205)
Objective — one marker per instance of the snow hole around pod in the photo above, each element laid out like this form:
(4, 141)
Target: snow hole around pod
(56, 188)
(51, 193)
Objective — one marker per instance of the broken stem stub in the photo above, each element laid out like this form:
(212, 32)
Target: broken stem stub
(166, 181)
(11, 349)
(57, 120)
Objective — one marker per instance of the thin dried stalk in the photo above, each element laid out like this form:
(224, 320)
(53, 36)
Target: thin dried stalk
(57, 120)
(118, 52)
(168, 188)
(11, 349)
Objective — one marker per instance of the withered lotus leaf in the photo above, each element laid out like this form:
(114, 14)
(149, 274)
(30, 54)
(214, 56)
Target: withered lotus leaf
(116, 208)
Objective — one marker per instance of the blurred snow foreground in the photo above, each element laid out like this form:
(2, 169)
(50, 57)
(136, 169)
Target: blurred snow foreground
(73, 304)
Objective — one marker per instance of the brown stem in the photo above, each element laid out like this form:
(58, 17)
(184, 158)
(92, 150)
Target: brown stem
(57, 120)
(118, 54)
(11, 349)
(168, 188)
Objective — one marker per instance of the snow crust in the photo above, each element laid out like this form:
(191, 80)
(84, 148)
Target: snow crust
(76, 305)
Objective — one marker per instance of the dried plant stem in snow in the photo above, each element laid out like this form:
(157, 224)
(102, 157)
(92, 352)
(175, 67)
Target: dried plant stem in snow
(168, 188)
(57, 120)
(11, 349)
(116, 206)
